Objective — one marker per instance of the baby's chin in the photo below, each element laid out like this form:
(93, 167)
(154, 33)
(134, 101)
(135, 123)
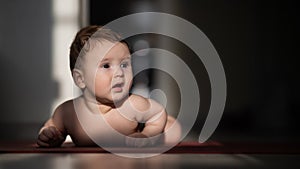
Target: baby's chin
(117, 98)
(113, 98)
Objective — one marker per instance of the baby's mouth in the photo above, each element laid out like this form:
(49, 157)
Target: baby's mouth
(118, 87)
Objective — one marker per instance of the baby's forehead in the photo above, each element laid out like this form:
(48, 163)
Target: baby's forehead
(99, 44)
(104, 49)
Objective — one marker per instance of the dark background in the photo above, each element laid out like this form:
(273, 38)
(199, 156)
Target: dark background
(256, 41)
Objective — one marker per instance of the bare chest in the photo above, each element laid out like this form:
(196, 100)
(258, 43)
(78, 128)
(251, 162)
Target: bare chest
(82, 127)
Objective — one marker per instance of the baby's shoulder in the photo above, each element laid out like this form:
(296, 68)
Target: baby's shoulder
(66, 107)
(138, 99)
(139, 102)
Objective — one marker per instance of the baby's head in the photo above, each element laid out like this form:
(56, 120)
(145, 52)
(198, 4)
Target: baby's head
(101, 64)
(93, 32)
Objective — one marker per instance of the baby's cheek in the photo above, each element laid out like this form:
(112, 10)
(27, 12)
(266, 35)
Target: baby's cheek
(129, 80)
(102, 83)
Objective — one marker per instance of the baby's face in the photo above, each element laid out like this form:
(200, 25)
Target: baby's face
(107, 71)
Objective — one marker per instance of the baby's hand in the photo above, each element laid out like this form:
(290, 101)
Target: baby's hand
(50, 137)
(138, 140)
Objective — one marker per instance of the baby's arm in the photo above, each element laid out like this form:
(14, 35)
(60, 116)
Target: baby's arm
(53, 133)
(154, 116)
(155, 120)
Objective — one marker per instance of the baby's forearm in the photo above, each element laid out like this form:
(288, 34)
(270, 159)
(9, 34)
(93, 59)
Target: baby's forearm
(148, 137)
(155, 125)
(151, 130)
(50, 123)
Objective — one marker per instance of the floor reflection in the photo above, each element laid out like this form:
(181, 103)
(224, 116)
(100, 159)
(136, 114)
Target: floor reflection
(92, 161)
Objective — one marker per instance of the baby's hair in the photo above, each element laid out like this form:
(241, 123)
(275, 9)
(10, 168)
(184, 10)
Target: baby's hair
(90, 32)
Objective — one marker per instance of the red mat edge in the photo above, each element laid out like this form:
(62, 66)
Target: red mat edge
(182, 148)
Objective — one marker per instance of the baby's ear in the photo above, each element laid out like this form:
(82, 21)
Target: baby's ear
(78, 78)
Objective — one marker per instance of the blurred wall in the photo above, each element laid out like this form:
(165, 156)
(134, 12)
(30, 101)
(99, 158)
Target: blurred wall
(25, 64)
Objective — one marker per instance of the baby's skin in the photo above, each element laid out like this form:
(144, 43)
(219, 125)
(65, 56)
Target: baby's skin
(105, 109)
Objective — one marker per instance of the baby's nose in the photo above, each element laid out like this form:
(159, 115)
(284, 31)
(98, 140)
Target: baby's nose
(118, 72)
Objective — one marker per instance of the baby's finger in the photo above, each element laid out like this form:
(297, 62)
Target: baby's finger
(56, 132)
(61, 137)
(43, 137)
(49, 132)
(42, 144)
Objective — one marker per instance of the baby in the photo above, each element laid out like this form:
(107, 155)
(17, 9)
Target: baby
(101, 67)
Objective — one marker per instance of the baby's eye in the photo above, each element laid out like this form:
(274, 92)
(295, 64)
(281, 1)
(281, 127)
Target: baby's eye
(105, 66)
(124, 65)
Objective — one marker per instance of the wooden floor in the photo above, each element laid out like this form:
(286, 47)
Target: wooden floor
(163, 161)
(188, 155)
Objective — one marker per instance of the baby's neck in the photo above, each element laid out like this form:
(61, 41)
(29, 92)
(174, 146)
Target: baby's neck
(108, 106)
(95, 107)
(103, 108)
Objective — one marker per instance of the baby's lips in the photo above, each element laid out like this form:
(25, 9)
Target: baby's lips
(121, 84)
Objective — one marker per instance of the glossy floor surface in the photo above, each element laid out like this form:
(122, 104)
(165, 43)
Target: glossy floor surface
(173, 161)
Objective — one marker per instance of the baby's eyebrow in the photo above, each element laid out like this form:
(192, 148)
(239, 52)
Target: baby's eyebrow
(104, 60)
(127, 58)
